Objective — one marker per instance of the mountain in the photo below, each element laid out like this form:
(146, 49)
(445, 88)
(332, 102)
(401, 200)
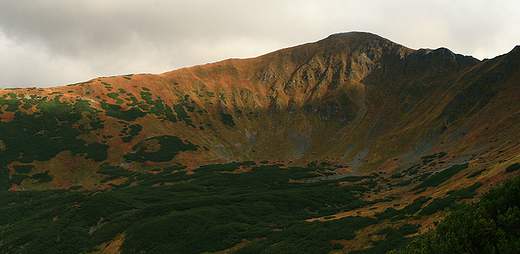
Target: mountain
(413, 128)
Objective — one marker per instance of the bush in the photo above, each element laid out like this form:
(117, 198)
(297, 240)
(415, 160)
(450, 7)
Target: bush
(440, 177)
(513, 167)
(42, 177)
(489, 226)
(170, 146)
(96, 151)
(23, 169)
(182, 114)
(227, 119)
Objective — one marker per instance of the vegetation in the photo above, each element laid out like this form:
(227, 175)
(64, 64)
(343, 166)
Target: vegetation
(182, 114)
(210, 210)
(134, 131)
(168, 147)
(393, 238)
(115, 97)
(52, 127)
(476, 173)
(12, 103)
(213, 209)
(116, 111)
(488, 226)
(513, 167)
(227, 119)
(23, 169)
(408, 211)
(440, 177)
(95, 151)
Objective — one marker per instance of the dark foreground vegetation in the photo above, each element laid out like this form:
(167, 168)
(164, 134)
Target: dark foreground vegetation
(172, 212)
(491, 225)
(169, 211)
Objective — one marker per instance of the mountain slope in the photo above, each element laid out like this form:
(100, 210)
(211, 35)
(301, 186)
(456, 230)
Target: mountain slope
(408, 125)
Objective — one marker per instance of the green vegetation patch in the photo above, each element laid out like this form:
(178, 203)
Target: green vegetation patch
(115, 96)
(23, 169)
(488, 226)
(134, 131)
(96, 151)
(18, 178)
(434, 206)
(115, 111)
(168, 112)
(84, 106)
(391, 213)
(476, 173)
(30, 102)
(513, 167)
(42, 177)
(209, 211)
(159, 149)
(393, 238)
(227, 119)
(429, 158)
(147, 96)
(182, 114)
(159, 108)
(440, 204)
(414, 207)
(135, 101)
(50, 130)
(114, 172)
(440, 177)
(27, 134)
(62, 111)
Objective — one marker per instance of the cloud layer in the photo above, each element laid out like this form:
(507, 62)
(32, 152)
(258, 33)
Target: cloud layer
(55, 42)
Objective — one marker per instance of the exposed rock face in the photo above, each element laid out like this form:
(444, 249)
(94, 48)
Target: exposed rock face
(357, 89)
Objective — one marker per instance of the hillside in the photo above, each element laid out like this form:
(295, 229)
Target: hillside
(356, 128)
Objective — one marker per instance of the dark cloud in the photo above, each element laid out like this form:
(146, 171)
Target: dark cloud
(55, 42)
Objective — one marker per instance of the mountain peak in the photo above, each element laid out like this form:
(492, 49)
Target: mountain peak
(356, 39)
(353, 35)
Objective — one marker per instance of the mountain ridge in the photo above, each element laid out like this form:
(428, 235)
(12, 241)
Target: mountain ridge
(337, 78)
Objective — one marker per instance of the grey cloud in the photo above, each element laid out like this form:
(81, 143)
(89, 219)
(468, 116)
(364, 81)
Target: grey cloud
(72, 41)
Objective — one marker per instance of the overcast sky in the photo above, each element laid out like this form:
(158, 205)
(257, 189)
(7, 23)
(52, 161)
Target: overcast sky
(47, 43)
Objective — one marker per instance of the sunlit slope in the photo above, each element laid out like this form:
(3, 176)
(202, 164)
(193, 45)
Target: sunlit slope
(357, 101)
